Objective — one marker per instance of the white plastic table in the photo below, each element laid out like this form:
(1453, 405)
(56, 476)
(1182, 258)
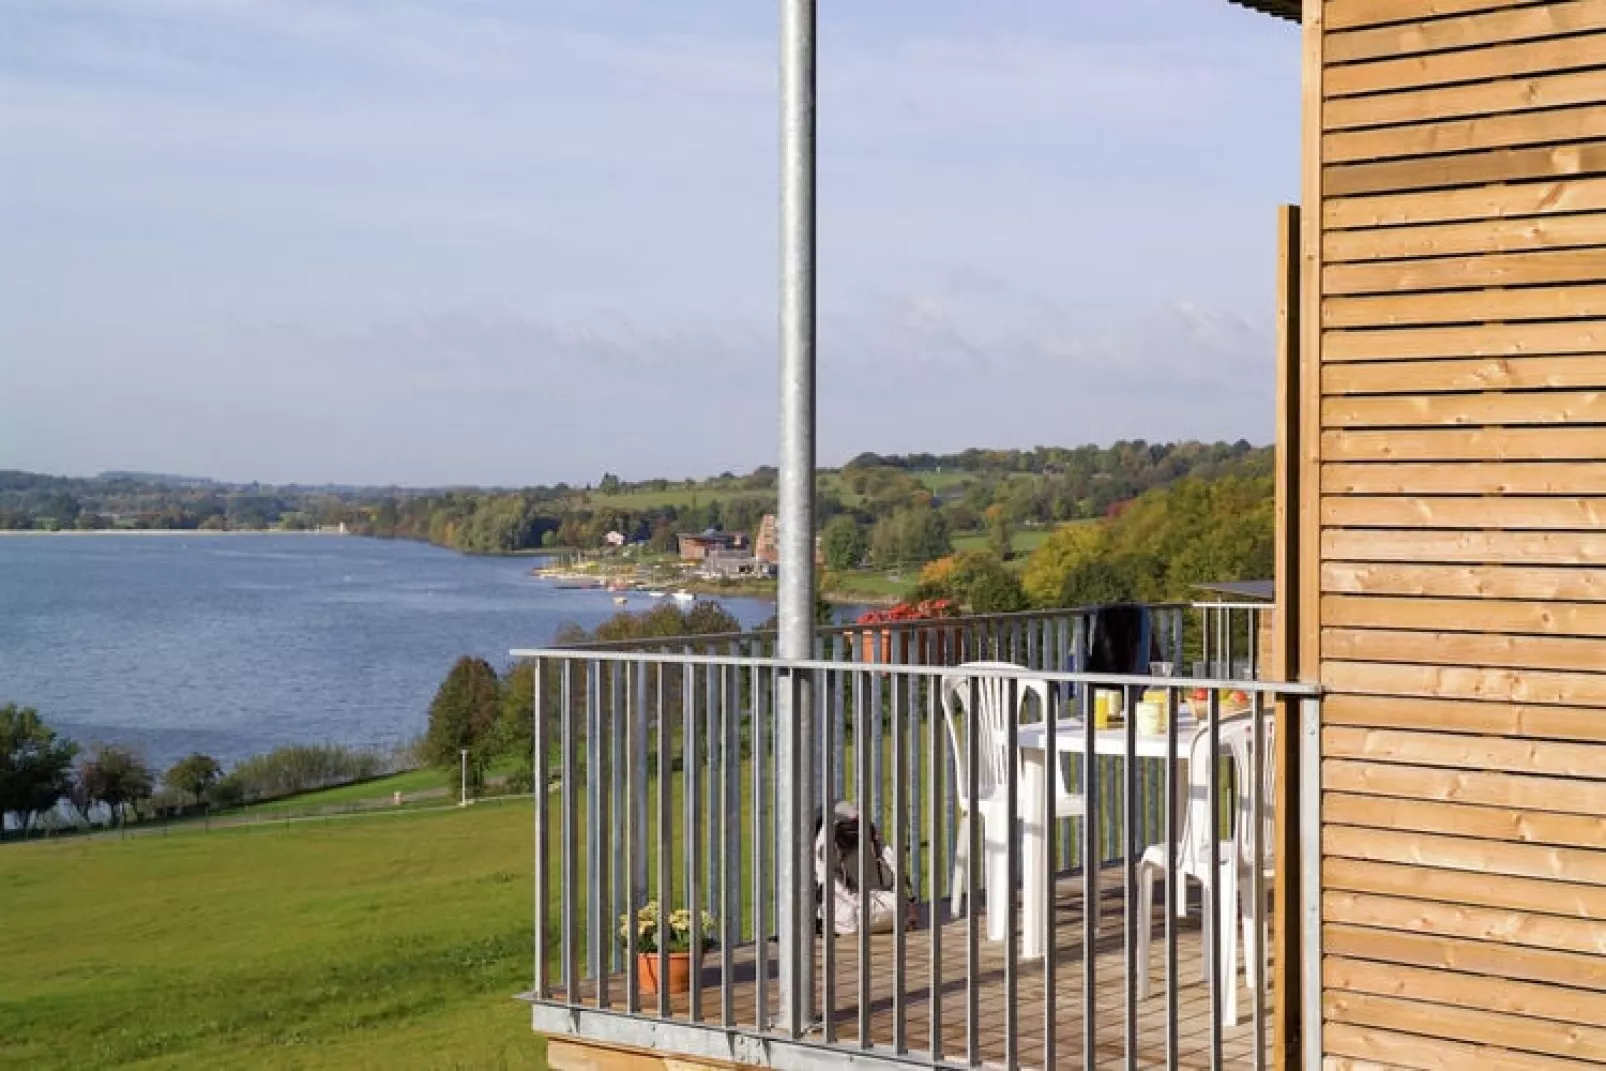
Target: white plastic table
(1070, 738)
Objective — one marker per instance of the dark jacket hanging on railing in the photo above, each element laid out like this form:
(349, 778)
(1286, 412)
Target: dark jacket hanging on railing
(1120, 639)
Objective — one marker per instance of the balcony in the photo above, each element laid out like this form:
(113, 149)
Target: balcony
(676, 778)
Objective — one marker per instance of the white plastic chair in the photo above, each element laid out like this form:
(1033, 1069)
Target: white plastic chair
(992, 742)
(1230, 890)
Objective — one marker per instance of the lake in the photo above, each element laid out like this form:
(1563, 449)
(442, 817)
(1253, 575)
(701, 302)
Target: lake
(236, 644)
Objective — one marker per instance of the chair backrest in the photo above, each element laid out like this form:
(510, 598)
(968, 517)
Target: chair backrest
(1235, 738)
(992, 714)
(1243, 757)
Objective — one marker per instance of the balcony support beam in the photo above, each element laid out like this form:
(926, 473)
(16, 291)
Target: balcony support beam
(794, 738)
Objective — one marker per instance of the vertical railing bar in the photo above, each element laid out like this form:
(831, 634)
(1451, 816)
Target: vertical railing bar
(601, 930)
(1172, 801)
(539, 784)
(639, 757)
(900, 853)
(864, 758)
(1076, 850)
(666, 840)
(795, 1011)
(1129, 853)
(711, 759)
(829, 775)
(1011, 865)
(1310, 877)
(1051, 770)
(973, 879)
(1090, 868)
(733, 795)
(761, 937)
(728, 825)
(628, 815)
(692, 803)
(870, 804)
(1258, 878)
(571, 846)
(940, 865)
(619, 875)
(1063, 627)
(839, 653)
(1213, 920)
(911, 815)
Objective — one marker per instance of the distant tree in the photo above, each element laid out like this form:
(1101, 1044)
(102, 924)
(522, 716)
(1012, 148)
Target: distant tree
(194, 774)
(609, 484)
(910, 536)
(35, 765)
(1000, 537)
(975, 578)
(464, 715)
(664, 540)
(117, 777)
(515, 726)
(843, 543)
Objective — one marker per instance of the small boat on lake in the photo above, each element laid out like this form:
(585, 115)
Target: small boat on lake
(620, 600)
(685, 597)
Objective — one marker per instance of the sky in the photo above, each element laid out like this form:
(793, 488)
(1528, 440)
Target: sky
(499, 242)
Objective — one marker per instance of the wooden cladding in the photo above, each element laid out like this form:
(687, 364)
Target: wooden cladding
(1458, 148)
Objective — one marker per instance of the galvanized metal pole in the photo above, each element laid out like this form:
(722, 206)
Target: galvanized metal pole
(795, 732)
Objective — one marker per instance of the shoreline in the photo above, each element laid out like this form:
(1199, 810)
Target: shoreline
(166, 532)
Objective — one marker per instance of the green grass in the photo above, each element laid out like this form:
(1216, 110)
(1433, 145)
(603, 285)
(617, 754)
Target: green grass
(375, 943)
(1024, 541)
(362, 792)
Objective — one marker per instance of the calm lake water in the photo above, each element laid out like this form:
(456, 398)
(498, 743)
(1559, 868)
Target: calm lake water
(237, 644)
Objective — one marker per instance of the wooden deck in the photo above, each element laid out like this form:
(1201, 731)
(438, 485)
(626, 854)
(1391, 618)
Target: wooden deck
(1193, 1020)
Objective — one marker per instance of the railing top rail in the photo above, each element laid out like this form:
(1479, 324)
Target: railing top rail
(1114, 680)
(851, 628)
(1207, 605)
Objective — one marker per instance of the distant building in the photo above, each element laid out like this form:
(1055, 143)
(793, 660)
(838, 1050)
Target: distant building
(766, 547)
(734, 565)
(694, 548)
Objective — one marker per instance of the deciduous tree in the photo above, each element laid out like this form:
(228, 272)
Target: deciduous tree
(194, 774)
(464, 717)
(115, 776)
(35, 764)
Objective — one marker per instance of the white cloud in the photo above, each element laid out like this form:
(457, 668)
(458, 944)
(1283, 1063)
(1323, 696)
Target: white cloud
(417, 208)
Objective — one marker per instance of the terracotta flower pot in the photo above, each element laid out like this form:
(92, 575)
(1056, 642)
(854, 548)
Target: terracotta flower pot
(679, 979)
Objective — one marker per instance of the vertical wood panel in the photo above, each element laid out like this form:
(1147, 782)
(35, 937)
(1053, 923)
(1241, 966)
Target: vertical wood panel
(1286, 622)
(1304, 401)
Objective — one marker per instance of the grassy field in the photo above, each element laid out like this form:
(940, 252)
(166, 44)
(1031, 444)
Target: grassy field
(359, 944)
(382, 788)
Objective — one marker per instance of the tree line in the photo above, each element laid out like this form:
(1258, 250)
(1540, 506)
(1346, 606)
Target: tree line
(905, 507)
(41, 770)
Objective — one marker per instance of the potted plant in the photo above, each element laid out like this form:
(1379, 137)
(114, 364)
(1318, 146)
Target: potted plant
(674, 936)
(935, 646)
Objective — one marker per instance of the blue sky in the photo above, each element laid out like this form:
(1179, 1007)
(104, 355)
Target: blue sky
(494, 241)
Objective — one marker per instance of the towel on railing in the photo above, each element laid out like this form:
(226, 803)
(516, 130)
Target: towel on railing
(1120, 639)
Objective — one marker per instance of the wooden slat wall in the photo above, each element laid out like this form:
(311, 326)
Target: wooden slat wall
(1462, 512)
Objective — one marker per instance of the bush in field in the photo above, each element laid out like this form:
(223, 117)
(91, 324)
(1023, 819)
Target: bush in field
(286, 771)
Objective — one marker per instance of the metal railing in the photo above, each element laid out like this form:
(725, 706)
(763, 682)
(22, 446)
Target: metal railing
(1228, 638)
(672, 781)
